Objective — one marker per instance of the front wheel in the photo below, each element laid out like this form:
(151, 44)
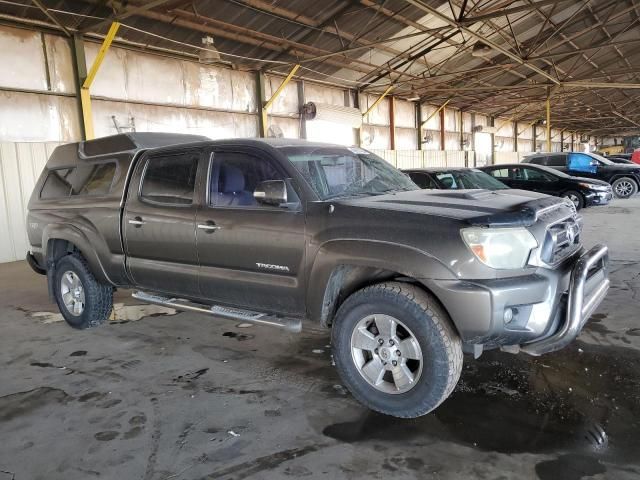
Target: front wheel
(575, 197)
(396, 350)
(624, 187)
(83, 301)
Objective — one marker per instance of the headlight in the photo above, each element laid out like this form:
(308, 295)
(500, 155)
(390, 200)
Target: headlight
(593, 186)
(504, 248)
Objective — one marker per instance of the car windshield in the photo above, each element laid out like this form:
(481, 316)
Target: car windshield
(468, 179)
(600, 159)
(341, 172)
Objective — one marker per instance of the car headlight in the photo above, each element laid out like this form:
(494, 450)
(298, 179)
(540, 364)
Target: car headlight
(593, 186)
(503, 248)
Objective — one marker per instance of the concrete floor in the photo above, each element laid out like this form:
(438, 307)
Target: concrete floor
(180, 396)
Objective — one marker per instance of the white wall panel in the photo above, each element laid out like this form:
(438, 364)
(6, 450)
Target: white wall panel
(23, 64)
(406, 139)
(111, 81)
(153, 118)
(380, 114)
(20, 167)
(60, 63)
(323, 94)
(290, 126)
(405, 113)
(451, 120)
(375, 137)
(36, 117)
(467, 124)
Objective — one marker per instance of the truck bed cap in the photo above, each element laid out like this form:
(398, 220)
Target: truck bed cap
(71, 153)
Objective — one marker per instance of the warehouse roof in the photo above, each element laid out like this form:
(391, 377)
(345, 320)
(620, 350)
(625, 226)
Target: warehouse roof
(493, 56)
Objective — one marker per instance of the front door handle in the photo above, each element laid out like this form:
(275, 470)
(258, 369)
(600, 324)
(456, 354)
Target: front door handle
(208, 227)
(137, 222)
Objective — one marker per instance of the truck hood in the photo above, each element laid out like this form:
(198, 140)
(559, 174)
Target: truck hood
(477, 207)
(592, 181)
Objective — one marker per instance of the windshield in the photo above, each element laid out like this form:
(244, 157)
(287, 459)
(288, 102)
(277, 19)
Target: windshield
(468, 179)
(600, 159)
(340, 172)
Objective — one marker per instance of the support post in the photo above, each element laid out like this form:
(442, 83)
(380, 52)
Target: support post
(80, 73)
(418, 108)
(572, 141)
(442, 135)
(85, 93)
(473, 140)
(356, 104)
(392, 123)
(493, 142)
(548, 119)
(515, 136)
(562, 140)
(534, 135)
(461, 130)
(262, 113)
(301, 102)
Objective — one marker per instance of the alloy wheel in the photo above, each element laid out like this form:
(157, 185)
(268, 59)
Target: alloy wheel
(72, 293)
(386, 353)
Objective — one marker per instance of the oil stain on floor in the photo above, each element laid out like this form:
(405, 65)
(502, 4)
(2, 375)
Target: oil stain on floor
(582, 404)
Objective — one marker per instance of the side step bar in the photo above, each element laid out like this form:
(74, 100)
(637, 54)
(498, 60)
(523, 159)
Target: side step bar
(227, 313)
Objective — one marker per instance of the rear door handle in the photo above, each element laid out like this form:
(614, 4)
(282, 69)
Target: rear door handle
(209, 227)
(137, 221)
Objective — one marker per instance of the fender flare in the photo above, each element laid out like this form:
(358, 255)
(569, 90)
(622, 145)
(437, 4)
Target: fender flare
(75, 236)
(342, 266)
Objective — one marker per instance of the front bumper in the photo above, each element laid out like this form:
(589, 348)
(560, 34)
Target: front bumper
(598, 198)
(587, 288)
(549, 307)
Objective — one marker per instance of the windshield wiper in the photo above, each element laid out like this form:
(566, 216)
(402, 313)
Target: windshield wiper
(354, 194)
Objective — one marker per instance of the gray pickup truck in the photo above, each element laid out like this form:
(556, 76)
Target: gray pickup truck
(282, 231)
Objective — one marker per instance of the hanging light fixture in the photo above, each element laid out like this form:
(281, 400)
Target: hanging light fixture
(480, 49)
(208, 53)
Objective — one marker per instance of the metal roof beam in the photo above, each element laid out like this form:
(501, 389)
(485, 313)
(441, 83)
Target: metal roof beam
(51, 17)
(126, 12)
(501, 12)
(428, 9)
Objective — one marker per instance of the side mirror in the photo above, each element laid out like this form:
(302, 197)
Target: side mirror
(271, 192)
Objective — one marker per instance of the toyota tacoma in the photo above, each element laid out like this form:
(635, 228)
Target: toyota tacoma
(283, 232)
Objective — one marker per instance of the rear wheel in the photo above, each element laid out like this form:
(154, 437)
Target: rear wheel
(624, 187)
(395, 349)
(575, 197)
(83, 301)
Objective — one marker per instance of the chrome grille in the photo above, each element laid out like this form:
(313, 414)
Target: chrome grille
(561, 240)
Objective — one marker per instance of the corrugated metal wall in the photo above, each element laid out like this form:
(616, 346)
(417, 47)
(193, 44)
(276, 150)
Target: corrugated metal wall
(20, 166)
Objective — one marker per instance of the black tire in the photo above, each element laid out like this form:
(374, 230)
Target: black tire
(98, 297)
(624, 187)
(575, 197)
(430, 325)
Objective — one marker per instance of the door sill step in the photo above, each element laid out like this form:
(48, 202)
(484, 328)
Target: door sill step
(227, 313)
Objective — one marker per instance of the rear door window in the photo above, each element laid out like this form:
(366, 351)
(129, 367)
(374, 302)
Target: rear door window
(499, 173)
(170, 179)
(556, 160)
